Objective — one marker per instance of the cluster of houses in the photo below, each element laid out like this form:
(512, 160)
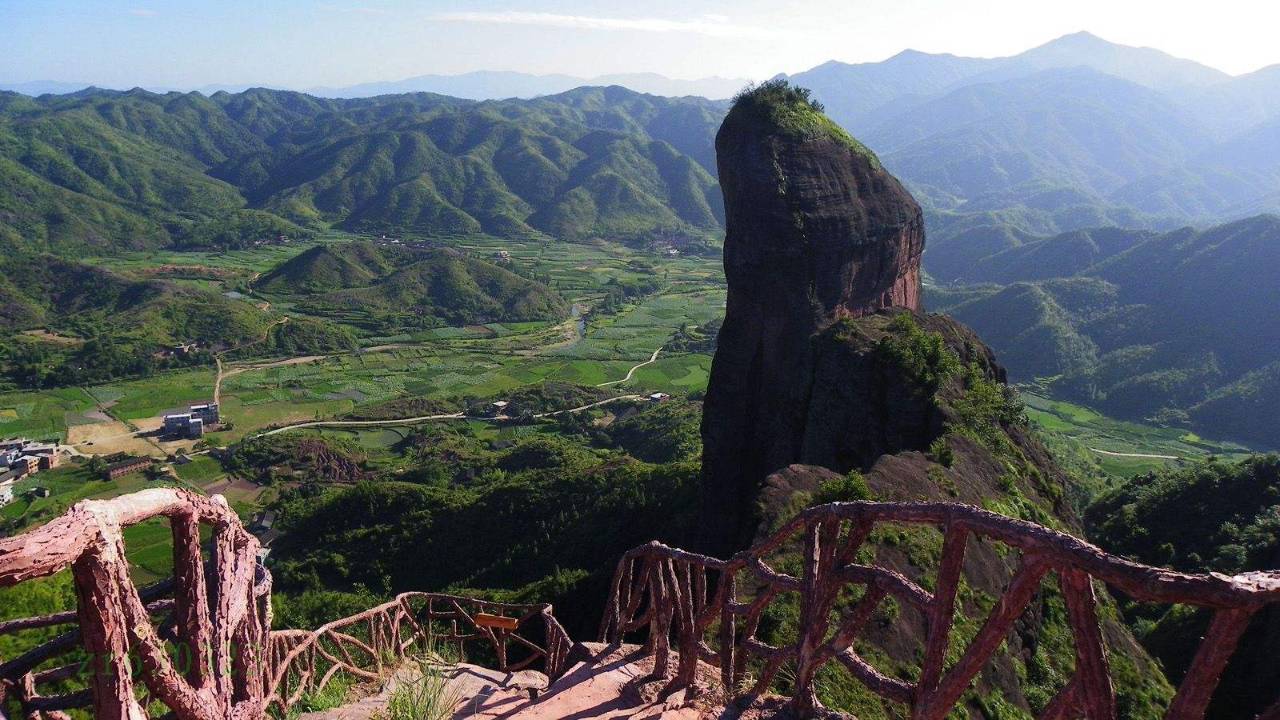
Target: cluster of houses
(20, 457)
(191, 424)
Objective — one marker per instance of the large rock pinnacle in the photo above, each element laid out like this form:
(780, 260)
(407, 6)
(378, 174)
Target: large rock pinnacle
(816, 230)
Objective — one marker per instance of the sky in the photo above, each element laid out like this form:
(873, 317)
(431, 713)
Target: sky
(297, 44)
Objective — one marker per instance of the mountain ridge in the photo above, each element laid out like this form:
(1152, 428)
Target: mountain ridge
(153, 170)
(1118, 319)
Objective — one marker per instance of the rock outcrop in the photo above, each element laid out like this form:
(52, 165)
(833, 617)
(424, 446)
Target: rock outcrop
(817, 230)
(825, 365)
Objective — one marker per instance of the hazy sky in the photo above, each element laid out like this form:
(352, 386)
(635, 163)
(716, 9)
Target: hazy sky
(292, 43)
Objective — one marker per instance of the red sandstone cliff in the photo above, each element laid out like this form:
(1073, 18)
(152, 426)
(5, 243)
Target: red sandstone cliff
(816, 230)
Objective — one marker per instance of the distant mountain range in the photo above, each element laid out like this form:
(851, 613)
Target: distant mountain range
(479, 85)
(1076, 133)
(1018, 162)
(106, 169)
(495, 85)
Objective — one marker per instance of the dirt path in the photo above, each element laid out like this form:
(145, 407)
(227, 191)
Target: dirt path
(431, 418)
(217, 383)
(1135, 455)
(652, 359)
(224, 372)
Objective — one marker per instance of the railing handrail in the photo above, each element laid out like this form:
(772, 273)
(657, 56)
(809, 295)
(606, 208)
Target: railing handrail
(1142, 582)
(296, 651)
(54, 546)
(240, 667)
(665, 590)
(221, 621)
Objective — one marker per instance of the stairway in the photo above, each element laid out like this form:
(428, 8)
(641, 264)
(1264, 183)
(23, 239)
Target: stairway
(605, 682)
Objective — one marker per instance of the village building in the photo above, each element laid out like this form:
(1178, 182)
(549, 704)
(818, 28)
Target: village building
(207, 412)
(24, 457)
(498, 408)
(6, 488)
(659, 397)
(191, 424)
(126, 466)
(25, 465)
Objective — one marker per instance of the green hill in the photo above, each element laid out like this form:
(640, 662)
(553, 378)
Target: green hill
(1179, 327)
(98, 326)
(1224, 518)
(386, 288)
(324, 268)
(100, 170)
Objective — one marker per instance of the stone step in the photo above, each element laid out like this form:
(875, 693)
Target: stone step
(606, 682)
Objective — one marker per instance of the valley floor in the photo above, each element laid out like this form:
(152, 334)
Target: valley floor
(629, 352)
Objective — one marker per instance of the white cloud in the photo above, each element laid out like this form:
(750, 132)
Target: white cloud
(713, 25)
(143, 12)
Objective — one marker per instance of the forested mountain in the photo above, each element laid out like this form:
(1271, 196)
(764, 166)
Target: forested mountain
(1055, 184)
(104, 169)
(1078, 133)
(90, 325)
(1017, 162)
(389, 288)
(1180, 326)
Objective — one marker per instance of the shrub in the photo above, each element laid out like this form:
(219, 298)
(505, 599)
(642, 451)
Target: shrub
(849, 488)
(921, 357)
(426, 697)
(940, 452)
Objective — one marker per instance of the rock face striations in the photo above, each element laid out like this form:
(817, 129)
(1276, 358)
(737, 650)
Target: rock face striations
(817, 230)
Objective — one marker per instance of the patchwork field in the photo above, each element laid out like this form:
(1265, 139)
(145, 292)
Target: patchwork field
(1125, 448)
(479, 361)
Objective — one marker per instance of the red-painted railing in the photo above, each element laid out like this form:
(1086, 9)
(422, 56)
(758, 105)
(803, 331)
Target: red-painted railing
(207, 653)
(679, 596)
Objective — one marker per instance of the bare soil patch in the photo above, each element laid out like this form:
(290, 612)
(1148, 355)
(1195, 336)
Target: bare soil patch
(108, 438)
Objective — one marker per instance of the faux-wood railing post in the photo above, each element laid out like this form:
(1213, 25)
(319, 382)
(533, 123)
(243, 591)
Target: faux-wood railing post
(942, 611)
(1197, 687)
(689, 598)
(1096, 694)
(728, 620)
(660, 627)
(191, 600)
(99, 608)
(818, 592)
